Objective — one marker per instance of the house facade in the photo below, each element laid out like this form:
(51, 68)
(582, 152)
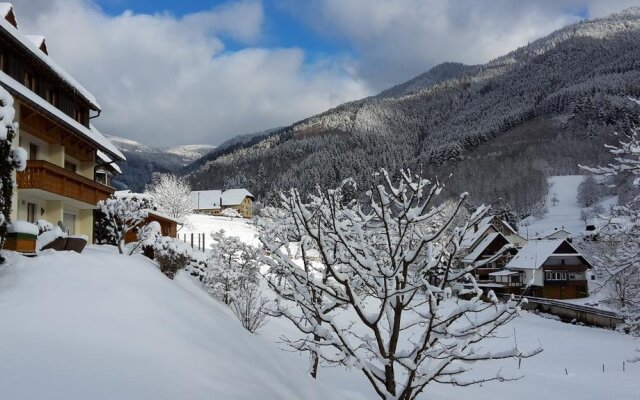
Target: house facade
(505, 262)
(212, 202)
(53, 111)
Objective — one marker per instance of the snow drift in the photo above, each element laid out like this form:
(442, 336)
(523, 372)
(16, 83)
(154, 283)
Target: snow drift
(102, 326)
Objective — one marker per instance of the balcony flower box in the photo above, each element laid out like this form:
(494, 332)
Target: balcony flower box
(21, 237)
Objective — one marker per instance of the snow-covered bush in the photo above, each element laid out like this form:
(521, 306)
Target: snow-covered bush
(120, 214)
(172, 255)
(368, 285)
(11, 158)
(231, 213)
(172, 195)
(147, 237)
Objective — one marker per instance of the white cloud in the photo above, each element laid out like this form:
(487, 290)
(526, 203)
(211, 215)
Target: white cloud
(167, 80)
(398, 39)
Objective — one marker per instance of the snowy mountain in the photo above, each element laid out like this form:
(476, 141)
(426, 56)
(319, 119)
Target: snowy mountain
(535, 112)
(143, 161)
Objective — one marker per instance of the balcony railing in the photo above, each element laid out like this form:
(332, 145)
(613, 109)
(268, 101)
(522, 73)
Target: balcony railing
(51, 178)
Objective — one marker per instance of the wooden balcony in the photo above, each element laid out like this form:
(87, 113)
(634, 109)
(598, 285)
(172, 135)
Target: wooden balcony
(51, 178)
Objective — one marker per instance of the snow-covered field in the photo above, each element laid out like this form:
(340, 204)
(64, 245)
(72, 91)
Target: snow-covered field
(581, 350)
(199, 223)
(106, 326)
(103, 326)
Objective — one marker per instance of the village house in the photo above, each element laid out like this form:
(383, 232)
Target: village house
(212, 202)
(69, 161)
(554, 267)
(505, 262)
(488, 225)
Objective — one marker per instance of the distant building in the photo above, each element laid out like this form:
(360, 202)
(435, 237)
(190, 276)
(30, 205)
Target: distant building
(554, 267)
(212, 202)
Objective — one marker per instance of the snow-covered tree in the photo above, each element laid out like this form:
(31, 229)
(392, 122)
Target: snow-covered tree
(172, 195)
(230, 272)
(147, 236)
(589, 192)
(369, 286)
(622, 266)
(11, 159)
(122, 213)
(172, 255)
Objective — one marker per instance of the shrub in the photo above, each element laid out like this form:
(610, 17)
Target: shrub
(172, 255)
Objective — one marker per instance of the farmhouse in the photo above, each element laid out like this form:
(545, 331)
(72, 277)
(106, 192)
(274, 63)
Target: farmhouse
(487, 226)
(490, 255)
(69, 161)
(212, 202)
(556, 269)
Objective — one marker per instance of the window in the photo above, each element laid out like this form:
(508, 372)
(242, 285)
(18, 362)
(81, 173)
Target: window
(31, 212)
(556, 276)
(33, 151)
(515, 279)
(30, 81)
(52, 97)
(70, 166)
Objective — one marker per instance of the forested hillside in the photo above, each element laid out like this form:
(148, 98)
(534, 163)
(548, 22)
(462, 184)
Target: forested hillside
(537, 111)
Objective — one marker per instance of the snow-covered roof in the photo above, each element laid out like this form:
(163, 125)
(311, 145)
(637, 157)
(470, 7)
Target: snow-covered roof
(482, 246)
(5, 8)
(107, 160)
(504, 272)
(39, 41)
(233, 197)
(533, 254)
(470, 238)
(35, 50)
(165, 216)
(90, 133)
(214, 199)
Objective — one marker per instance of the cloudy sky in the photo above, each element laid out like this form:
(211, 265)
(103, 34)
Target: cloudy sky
(176, 72)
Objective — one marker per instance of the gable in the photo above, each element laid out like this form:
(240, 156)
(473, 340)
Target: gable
(565, 248)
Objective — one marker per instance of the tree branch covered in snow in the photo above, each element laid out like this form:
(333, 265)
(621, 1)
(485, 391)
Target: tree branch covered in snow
(11, 159)
(122, 213)
(622, 266)
(369, 285)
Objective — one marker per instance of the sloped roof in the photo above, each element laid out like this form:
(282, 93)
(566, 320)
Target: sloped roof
(108, 160)
(233, 197)
(35, 50)
(481, 247)
(39, 41)
(206, 199)
(91, 133)
(212, 199)
(533, 254)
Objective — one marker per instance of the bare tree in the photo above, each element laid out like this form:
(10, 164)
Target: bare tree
(369, 285)
(171, 194)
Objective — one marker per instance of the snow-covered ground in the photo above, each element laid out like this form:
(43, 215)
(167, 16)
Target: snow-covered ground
(564, 213)
(199, 223)
(105, 326)
(581, 350)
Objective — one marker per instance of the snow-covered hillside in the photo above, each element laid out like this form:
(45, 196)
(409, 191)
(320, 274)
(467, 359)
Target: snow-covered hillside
(580, 350)
(563, 210)
(105, 326)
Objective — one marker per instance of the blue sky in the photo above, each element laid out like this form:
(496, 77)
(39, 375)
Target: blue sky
(194, 71)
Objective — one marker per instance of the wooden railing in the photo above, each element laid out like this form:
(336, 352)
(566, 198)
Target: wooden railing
(51, 178)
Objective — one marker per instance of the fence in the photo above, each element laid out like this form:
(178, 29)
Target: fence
(195, 240)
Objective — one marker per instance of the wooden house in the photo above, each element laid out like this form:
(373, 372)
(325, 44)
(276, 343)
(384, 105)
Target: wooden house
(554, 267)
(212, 202)
(168, 226)
(54, 111)
(490, 255)
(486, 226)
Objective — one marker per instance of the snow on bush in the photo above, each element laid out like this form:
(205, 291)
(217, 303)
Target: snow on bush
(11, 159)
(368, 285)
(120, 214)
(172, 255)
(231, 213)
